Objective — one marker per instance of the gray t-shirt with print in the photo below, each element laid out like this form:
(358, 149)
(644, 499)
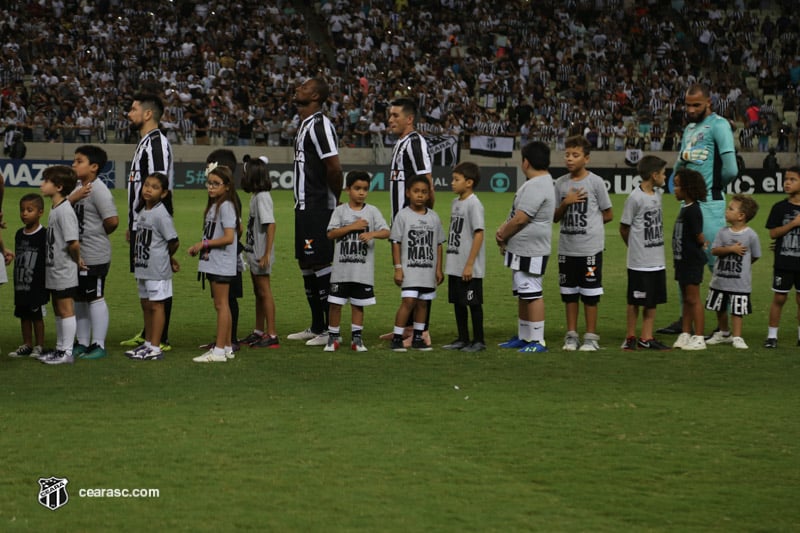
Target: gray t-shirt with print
(155, 228)
(466, 217)
(219, 261)
(582, 232)
(353, 260)
(91, 212)
(643, 213)
(419, 236)
(61, 272)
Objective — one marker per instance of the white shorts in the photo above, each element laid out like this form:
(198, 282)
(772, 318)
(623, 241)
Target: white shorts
(418, 294)
(526, 286)
(155, 290)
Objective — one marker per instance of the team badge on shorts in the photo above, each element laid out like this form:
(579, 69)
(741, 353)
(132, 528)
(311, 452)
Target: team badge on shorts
(53, 492)
(308, 244)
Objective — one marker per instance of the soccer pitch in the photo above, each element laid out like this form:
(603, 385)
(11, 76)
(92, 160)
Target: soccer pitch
(297, 439)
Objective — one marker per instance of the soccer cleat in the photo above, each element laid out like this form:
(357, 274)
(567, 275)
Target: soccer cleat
(153, 355)
(332, 344)
(44, 353)
(719, 338)
(318, 340)
(210, 357)
(79, 349)
(457, 344)
(165, 346)
(252, 338)
(397, 345)
(514, 342)
(357, 345)
(673, 329)
(94, 351)
(267, 342)
(136, 340)
(533, 347)
(653, 344)
(59, 357)
(571, 341)
(696, 342)
(682, 340)
(474, 347)
(630, 344)
(23, 351)
(304, 335)
(419, 345)
(136, 352)
(739, 343)
(590, 343)
(771, 342)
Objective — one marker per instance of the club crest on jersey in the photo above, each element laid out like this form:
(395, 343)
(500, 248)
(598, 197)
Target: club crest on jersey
(53, 492)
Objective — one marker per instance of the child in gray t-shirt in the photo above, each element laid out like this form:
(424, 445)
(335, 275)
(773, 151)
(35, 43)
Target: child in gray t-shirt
(642, 230)
(417, 236)
(736, 248)
(156, 243)
(63, 259)
(466, 258)
(355, 226)
(218, 257)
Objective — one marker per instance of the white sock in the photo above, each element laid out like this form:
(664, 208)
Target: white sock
(98, 313)
(333, 330)
(83, 325)
(398, 330)
(258, 332)
(537, 331)
(59, 336)
(68, 326)
(218, 351)
(772, 333)
(525, 330)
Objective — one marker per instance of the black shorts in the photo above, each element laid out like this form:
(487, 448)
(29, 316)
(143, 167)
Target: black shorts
(25, 312)
(784, 280)
(581, 275)
(460, 292)
(311, 243)
(739, 303)
(358, 294)
(689, 274)
(647, 288)
(92, 283)
(64, 293)
(230, 280)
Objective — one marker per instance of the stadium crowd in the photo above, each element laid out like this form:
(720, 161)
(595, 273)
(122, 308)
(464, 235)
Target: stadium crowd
(612, 70)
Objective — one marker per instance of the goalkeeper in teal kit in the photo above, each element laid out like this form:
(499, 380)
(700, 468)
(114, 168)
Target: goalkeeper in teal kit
(707, 147)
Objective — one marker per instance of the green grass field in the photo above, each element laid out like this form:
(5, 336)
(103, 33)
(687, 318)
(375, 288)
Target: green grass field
(297, 439)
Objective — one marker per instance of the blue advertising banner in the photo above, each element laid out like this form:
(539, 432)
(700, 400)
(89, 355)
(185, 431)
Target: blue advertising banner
(28, 172)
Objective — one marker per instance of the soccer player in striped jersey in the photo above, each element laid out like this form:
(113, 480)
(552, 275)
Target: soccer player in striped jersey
(317, 185)
(153, 154)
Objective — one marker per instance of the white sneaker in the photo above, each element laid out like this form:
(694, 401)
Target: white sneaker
(719, 338)
(319, 340)
(230, 355)
(331, 344)
(590, 343)
(739, 343)
(571, 341)
(304, 335)
(682, 340)
(59, 357)
(210, 357)
(697, 342)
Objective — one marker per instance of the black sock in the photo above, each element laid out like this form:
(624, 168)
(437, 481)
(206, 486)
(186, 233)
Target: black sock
(461, 322)
(317, 315)
(167, 315)
(323, 289)
(477, 323)
(233, 303)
